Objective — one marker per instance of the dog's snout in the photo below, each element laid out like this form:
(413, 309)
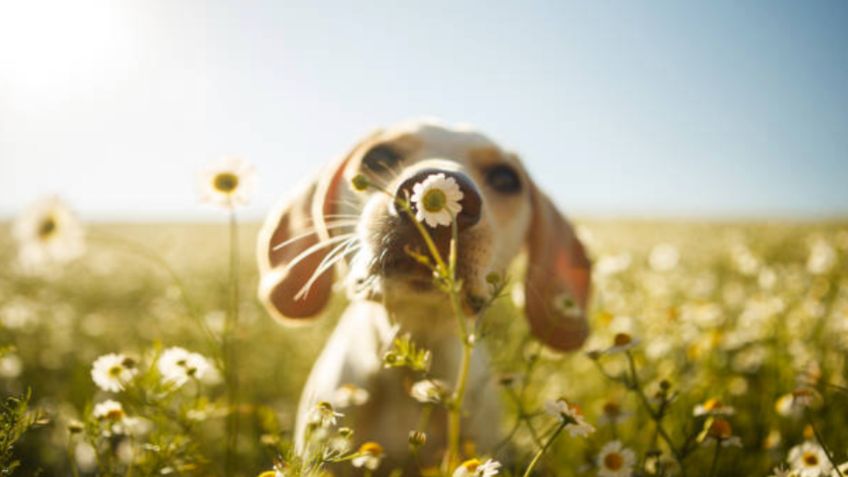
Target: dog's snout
(471, 203)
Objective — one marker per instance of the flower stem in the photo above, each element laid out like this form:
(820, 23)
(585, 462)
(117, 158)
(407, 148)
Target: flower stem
(538, 457)
(655, 416)
(824, 447)
(230, 345)
(714, 465)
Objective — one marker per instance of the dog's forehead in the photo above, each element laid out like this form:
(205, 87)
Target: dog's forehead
(436, 137)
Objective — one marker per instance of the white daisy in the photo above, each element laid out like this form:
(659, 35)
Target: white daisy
(782, 471)
(228, 182)
(111, 372)
(615, 460)
(350, 395)
(720, 432)
(809, 460)
(177, 366)
(436, 200)
(369, 456)
(612, 413)
(48, 232)
(429, 391)
(576, 424)
(323, 414)
(621, 342)
(474, 468)
(109, 410)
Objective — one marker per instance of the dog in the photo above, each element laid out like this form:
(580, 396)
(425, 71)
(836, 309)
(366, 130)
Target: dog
(328, 225)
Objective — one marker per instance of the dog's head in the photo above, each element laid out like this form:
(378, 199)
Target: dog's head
(502, 212)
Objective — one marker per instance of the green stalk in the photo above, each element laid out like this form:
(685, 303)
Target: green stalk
(230, 344)
(538, 457)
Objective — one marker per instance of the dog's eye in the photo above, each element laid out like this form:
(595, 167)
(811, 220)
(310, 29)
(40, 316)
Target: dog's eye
(504, 179)
(381, 159)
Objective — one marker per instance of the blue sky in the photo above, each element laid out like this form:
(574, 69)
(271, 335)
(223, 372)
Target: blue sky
(666, 108)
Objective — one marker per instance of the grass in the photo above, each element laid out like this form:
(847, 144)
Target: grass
(740, 317)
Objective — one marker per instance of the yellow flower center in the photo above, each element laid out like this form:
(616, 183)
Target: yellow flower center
(622, 339)
(712, 404)
(225, 182)
(115, 414)
(47, 228)
(115, 371)
(613, 461)
(811, 459)
(434, 200)
(371, 448)
(471, 465)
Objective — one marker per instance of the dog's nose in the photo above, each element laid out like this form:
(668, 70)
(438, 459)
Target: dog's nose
(470, 202)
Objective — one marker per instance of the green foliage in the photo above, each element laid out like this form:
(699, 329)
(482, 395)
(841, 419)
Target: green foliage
(745, 314)
(15, 420)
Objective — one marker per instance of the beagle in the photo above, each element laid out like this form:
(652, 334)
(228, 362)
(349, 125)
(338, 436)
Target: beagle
(328, 226)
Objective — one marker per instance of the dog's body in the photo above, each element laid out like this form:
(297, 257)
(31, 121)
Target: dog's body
(502, 213)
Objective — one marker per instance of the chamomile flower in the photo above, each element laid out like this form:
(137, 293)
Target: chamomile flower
(615, 460)
(177, 366)
(227, 183)
(782, 471)
(612, 413)
(576, 424)
(111, 372)
(712, 407)
(436, 200)
(48, 233)
(809, 460)
(621, 342)
(428, 391)
(109, 410)
(475, 468)
(350, 395)
(323, 414)
(369, 456)
(720, 432)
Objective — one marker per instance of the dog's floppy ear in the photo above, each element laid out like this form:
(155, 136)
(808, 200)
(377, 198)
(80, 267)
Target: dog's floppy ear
(293, 242)
(556, 286)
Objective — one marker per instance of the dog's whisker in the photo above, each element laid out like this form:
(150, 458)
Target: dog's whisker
(353, 205)
(329, 226)
(316, 248)
(335, 256)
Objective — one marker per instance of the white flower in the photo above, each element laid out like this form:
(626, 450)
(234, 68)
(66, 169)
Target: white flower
(664, 257)
(350, 395)
(809, 460)
(614, 460)
(111, 372)
(822, 257)
(323, 414)
(436, 200)
(782, 471)
(473, 468)
(109, 410)
(227, 183)
(48, 232)
(10, 366)
(369, 456)
(428, 391)
(576, 424)
(621, 342)
(178, 365)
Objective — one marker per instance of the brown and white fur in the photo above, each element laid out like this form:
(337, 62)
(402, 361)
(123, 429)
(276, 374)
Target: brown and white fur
(303, 237)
